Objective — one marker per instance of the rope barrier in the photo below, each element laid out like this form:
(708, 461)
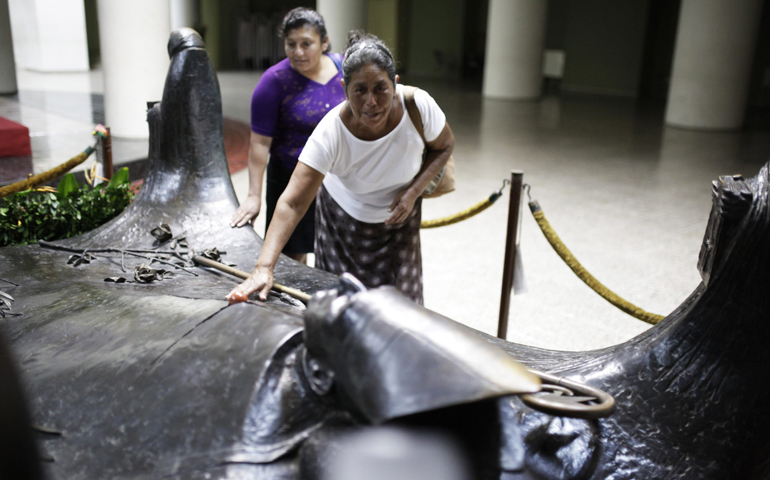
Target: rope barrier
(34, 181)
(583, 274)
(467, 213)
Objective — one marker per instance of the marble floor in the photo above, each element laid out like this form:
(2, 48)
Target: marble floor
(61, 111)
(629, 197)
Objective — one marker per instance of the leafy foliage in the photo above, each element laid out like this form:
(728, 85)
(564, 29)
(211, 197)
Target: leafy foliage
(29, 216)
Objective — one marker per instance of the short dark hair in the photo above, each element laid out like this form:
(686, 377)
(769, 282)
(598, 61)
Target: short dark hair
(301, 16)
(366, 49)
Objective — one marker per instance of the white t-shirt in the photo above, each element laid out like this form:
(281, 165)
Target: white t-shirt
(364, 176)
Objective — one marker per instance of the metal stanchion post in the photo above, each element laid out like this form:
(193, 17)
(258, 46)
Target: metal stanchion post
(107, 155)
(103, 154)
(510, 251)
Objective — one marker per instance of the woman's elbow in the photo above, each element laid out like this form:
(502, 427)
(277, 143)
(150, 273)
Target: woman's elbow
(448, 146)
(446, 140)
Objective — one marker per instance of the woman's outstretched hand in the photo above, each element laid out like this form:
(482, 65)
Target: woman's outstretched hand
(260, 281)
(401, 207)
(247, 212)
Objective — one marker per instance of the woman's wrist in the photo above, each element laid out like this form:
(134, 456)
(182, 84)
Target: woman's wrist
(414, 192)
(419, 186)
(263, 265)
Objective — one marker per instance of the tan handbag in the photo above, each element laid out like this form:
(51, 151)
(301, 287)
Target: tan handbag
(444, 181)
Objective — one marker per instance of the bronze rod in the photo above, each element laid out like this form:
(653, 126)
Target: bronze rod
(299, 295)
(514, 206)
(107, 169)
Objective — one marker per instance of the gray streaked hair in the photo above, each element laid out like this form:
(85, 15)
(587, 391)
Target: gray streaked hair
(366, 49)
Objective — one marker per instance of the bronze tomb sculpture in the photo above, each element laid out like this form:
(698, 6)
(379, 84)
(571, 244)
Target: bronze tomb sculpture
(165, 380)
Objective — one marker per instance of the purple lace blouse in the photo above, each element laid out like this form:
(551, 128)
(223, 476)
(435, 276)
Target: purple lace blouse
(287, 106)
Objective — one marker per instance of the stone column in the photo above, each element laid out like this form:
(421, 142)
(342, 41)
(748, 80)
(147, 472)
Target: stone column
(50, 35)
(712, 63)
(514, 52)
(342, 16)
(7, 63)
(183, 13)
(133, 37)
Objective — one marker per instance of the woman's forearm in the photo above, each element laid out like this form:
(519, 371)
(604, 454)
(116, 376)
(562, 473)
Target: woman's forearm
(291, 207)
(436, 158)
(434, 161)
(258, 156)
(285, 220)
(439, 151)
(259, 150)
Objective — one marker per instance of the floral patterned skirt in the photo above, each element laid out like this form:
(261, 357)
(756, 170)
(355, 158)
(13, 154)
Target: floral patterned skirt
(375, 253)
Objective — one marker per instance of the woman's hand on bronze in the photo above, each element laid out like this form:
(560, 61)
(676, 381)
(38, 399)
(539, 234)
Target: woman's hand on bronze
(401, 207)
(247, 212)
(261, 280)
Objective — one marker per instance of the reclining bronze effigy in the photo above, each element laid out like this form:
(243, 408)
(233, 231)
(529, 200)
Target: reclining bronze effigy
(164, 379)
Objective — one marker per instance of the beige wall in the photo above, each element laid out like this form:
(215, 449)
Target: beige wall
(435, 26)
(210, 19)
(382, 20)
(604, 46)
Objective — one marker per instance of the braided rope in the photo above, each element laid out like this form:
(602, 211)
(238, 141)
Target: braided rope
(48, 175)
(583, 274)
(462, 215)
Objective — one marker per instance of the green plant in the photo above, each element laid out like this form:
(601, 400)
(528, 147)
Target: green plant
(33, 215)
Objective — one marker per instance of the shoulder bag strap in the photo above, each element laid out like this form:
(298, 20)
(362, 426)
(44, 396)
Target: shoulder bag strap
(414, 115)
(411, 108)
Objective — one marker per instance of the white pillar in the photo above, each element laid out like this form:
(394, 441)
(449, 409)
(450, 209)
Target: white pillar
(133, 37)
(7, 63)
(342, 16)
(50, 35)
(712, 63)
(514, 52)
(183, 13)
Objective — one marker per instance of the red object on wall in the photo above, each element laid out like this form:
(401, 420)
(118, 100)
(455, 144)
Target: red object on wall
(14, 139)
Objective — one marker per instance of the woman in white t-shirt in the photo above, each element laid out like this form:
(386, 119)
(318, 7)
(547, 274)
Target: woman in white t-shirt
(364, 162)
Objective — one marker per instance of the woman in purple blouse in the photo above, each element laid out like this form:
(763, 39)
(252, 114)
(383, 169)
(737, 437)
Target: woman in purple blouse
(291, 98)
